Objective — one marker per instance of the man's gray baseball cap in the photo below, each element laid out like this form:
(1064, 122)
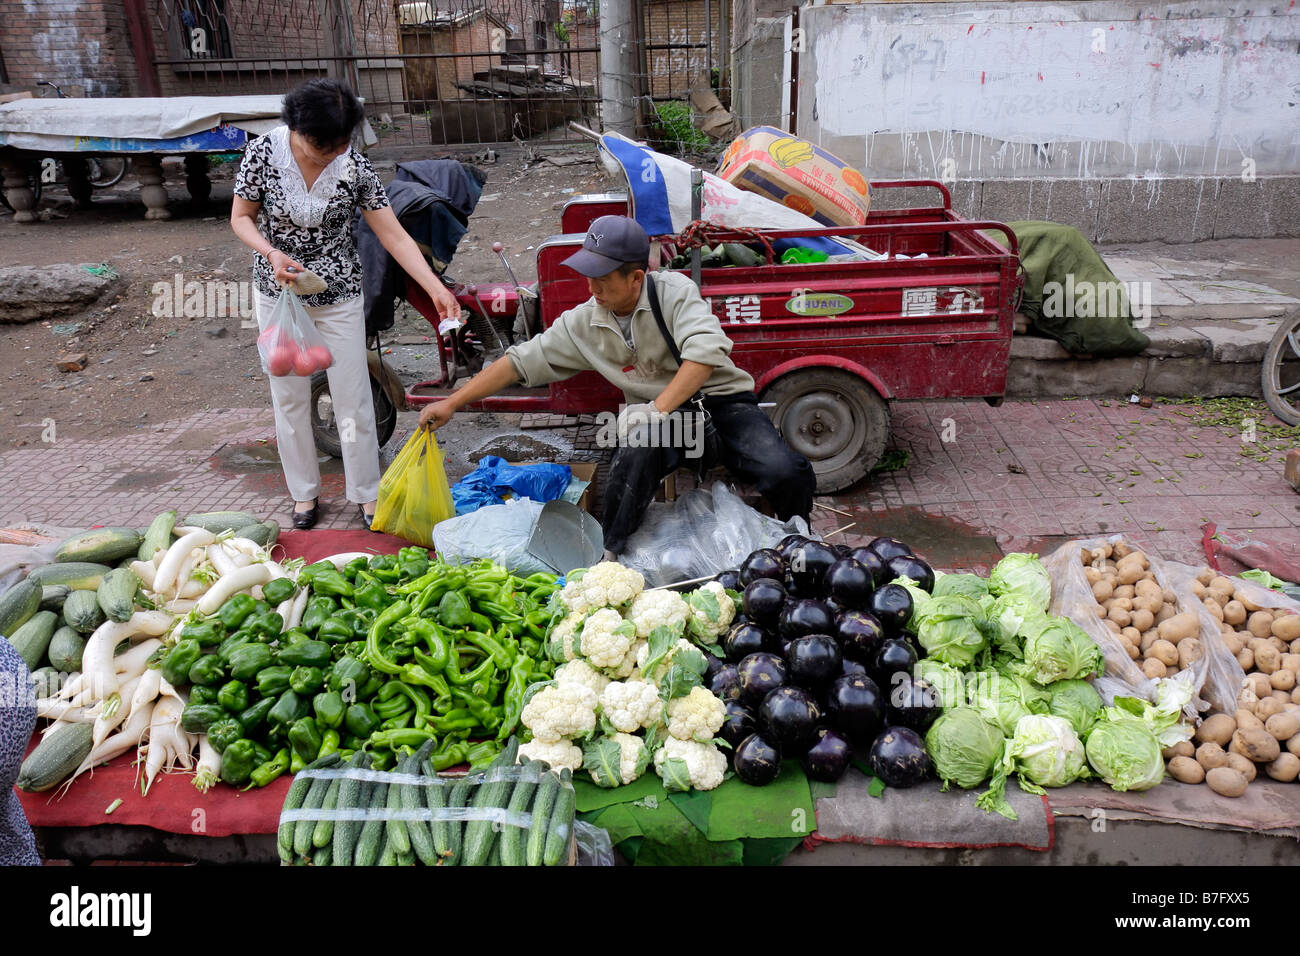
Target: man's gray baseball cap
(611, 241)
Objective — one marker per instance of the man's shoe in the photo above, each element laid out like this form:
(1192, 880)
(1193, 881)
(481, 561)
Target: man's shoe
(306, 520)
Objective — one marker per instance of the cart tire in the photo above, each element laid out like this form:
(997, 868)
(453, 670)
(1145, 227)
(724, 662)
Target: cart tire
(1283, 348)
(834, 419)
(325, 431)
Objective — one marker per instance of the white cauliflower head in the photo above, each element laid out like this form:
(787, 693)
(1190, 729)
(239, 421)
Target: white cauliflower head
(616, 760)
(653, 609)
(631, 705)
(687, 764)
(627, 667)
(606, 638)
(697, 716)
(580, 672)
(659, 670)
(560, 754)
(564, 710)
(607, 584)
(711, 612)
(560, 641)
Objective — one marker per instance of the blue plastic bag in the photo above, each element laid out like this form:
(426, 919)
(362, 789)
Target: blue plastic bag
(488, 483)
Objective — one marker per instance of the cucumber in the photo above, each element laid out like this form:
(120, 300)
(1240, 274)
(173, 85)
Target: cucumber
(512, 837)
(323, 833)
(321, 856)
(292, 801)
(82, 611)
(406, 859)
(371, 842)
(351, 793)
(158, 536)
(561, 825)
(495, 858)
(481, 834)
(547, 792)
(58, 754)
(304, 829)
(19, 603)
(116, 594)
(398, 839)
(32, 640)
(52, 597)
(387, 856)
(435, 797)
(77, 575)
(99, 545)
(458, 799)
(65, 650)
(264, 533)
(418, 831)
(218, 521)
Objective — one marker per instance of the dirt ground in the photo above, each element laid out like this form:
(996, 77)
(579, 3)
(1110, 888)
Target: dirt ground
(146, 369)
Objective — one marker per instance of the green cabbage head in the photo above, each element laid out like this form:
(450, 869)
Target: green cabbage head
(1022, 574)
(1078, 702)
(1058, 649)
(1124, 752)
(949, 630)
(964, 746)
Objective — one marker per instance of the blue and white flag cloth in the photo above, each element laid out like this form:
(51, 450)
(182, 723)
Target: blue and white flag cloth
(659, 188)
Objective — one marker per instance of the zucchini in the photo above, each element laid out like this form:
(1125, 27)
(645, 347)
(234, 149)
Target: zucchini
(218, 521)
(547, 792)
(65, 650)
(158, 537)
(459, 799)
(323, 832)
(52, 597)
(46, 682)
(77, 575)
(116, 594)
(370, 844)
(19, 603)
(304, 829)
(561, 825)
(512, 845)
(264, 533)
(494, 792)
(82, 612)
(32, 640)
(58, 754)
(435, 797)
(351, 792)
(99, 545)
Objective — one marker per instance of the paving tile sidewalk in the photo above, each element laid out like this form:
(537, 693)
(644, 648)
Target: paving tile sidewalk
(1025, 475)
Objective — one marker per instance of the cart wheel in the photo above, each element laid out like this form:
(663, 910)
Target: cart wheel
(1280, 376)
(834, 419)
(325, 431)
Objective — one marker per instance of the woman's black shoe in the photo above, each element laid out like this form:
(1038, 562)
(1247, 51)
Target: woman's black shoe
(366, 519)
(305, 520)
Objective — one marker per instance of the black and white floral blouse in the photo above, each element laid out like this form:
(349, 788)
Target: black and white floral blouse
(312, 227)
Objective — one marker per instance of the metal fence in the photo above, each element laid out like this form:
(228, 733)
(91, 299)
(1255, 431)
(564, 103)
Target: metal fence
(441, 71)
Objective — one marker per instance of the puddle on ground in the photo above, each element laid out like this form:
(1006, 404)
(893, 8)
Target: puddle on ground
(943, 541)
(138, 480)
(255, 458)
(520, 448)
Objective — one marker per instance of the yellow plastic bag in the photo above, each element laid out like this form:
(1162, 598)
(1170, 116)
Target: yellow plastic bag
(414, 494)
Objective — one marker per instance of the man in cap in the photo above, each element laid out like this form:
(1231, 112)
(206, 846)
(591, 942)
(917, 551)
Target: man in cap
(668, 385)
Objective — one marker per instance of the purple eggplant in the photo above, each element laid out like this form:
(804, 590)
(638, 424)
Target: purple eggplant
(739, 723)
(855, 706)
(860, 635)
(763, 601)
(894, 656)
(789, 718)
(899, 759)
(850, 584)
(875, 566)
(911, 702)
(814, 660)
(763, 563)
(909, 566)
(757, 761)
(886, 548)
(758, 675)
(743, 640)
(892, 606)
(808, 565)
(725, 684)
(730, 579)
(828, 757)
(805, 616)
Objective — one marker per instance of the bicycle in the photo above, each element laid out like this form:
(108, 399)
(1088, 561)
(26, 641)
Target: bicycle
(1280, 375)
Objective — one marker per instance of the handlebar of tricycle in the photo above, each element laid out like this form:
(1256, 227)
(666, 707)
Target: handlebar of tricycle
(914, 183)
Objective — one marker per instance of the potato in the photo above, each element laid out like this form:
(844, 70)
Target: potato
(1179, 627)
(1246, 658)
(1282, 695)
(1184, 748)
(1218, 597)
(1103, 590)
(1243, 766)
(1168, 597)
(1149, 637)
(1295, 694)
(1154, 669)
(1120, 549)
(1291, 662)
(1122, 602)
(1233, 644)
(1283, 725)
(1189, 652)
(1285, 768)
(1113, 625)
(1266, 707)
(1226, 782)
(1091, 575)
(1147, 589)
(1260, 624)
(1295, 646)
(1279, 645)
(1100, 609)
(1217, 729)
(1120, 616)
(1141, 620)
(1107, 549)
(1287, 627)
(1132, 635)
(1210, 755)
(1187, 770)
(1199, 589)
(1234, 612)
(1213, 606)
(1130, 573)
(1250, 606)
(1257, 745)
(1220, 583)
(1246, 720)
(1133, 651)
(1166, 612)
(1205, 576)
(1258, 683)
(1164, 652)
(1282, 679)
(1293, 745)
(1267, 659)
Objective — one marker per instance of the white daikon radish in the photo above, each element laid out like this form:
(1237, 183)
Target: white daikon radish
(231, 584)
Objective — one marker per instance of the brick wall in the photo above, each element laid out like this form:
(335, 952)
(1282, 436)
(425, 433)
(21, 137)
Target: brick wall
(680, 22)
(74, 43)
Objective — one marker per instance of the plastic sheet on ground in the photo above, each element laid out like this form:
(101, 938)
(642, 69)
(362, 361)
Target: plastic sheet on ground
(701, 533)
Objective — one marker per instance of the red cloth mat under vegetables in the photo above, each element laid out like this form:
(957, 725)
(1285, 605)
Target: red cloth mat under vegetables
(173, 805)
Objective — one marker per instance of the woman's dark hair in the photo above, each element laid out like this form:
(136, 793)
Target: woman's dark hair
(325, 111)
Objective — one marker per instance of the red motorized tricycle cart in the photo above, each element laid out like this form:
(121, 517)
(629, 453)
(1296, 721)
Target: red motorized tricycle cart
(829, 345)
